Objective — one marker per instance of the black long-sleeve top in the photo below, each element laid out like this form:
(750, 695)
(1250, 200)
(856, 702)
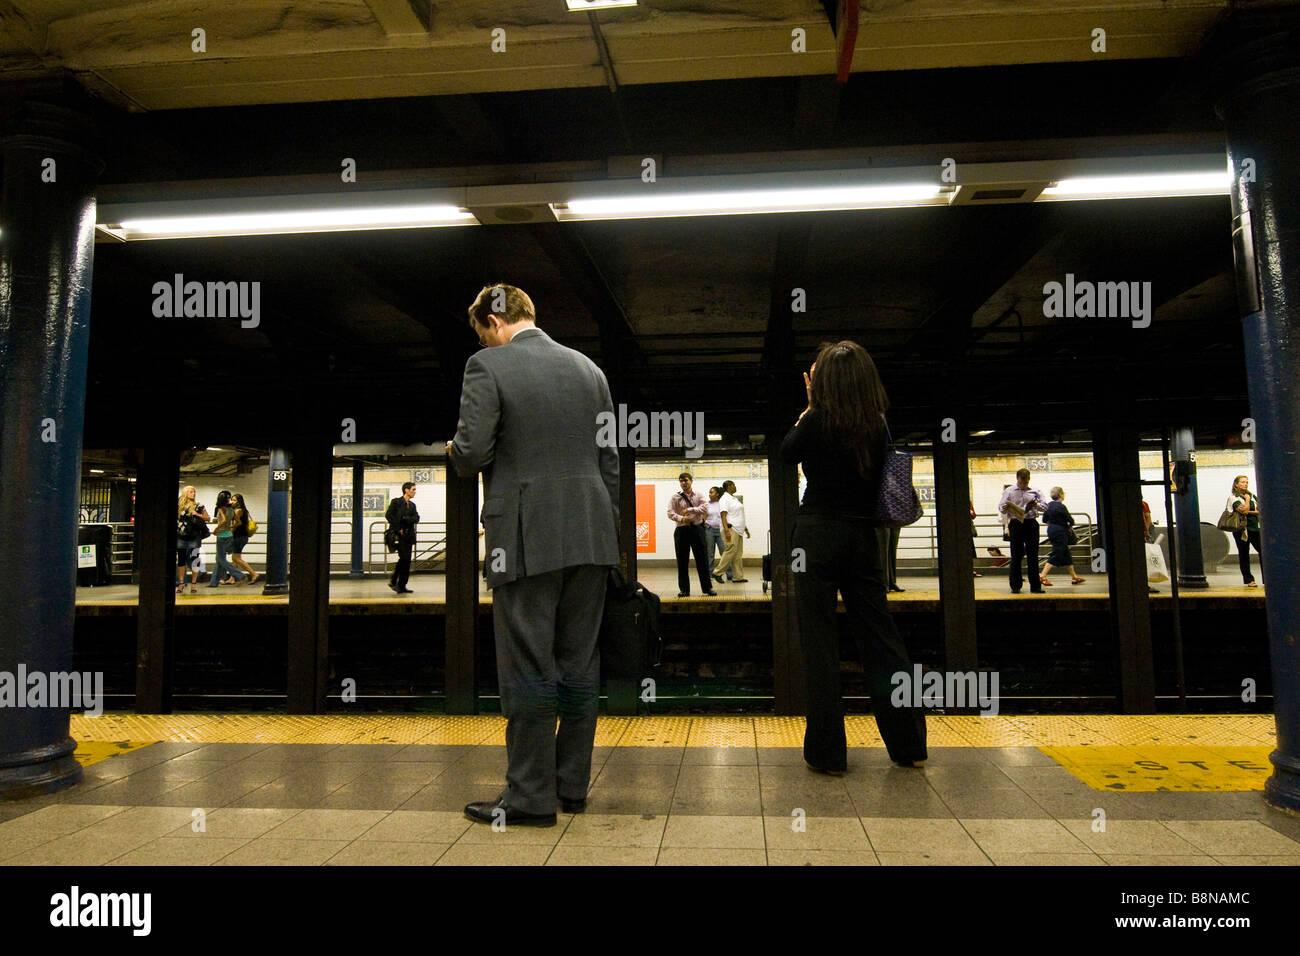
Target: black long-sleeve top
(834, 485)
(1057, 513)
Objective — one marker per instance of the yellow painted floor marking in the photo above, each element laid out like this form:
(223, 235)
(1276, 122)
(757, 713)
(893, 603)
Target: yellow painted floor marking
(721, 732)
(93, 751)
(1160, 768)
(1067, 733)
(610, 730)
(657, 732)
(778, 731)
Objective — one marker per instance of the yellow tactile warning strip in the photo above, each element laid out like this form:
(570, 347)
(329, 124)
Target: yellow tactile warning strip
(1146, 753)
(1157, 768)
(93, 751)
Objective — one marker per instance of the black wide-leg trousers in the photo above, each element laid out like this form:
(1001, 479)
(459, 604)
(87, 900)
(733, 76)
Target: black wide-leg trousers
(841, 555)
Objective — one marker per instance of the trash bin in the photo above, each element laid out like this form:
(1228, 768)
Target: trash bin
(94, 555)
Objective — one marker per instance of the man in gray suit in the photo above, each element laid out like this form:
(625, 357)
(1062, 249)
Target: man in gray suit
(528, 421)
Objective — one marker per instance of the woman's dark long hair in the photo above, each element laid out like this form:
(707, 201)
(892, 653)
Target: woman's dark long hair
(239, 503)
(847, 388)
(223, 499)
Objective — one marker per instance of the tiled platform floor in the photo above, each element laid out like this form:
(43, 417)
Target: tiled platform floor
(432, 589)
(673, 791)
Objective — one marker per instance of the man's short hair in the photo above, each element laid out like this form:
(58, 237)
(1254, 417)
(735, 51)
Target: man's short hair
(1056, 493)
(517, 306)
(1023, 473)
(685, 474)
(407, 484)
(728, 486)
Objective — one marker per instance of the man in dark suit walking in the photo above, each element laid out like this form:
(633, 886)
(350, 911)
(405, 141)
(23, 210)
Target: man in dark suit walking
(402, 519)
(528, 421)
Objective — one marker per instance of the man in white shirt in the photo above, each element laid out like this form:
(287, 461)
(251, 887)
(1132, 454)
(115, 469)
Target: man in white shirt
(731, 512)
(1021, 506)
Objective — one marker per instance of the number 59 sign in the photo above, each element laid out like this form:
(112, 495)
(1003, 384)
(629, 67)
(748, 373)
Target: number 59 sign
(279, 479)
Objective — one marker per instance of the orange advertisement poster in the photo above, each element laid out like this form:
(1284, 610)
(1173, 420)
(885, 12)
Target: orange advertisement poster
(645, 519)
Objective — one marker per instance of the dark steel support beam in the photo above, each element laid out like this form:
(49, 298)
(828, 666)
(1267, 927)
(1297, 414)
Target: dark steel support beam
(277, 522)
(787, 654)
(309, 576)
(621, 694)
(956, 566)
(155, 548)
(46, 252)
(462, 593)
(1119, 498)
(358, 520)
(1262, 115)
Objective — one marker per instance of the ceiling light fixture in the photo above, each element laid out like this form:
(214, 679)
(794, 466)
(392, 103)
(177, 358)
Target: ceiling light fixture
(1154, 186)
(743, 201)
(582, 6)
(282, 223)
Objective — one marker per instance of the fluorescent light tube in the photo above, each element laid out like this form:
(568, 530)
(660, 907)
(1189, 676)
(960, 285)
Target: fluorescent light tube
(810, 199)
(1160, 185)
(292, 221)
(579, 6)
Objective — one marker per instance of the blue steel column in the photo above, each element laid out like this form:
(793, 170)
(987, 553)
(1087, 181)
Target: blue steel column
(47, 231)
(1187, 511)
(1262, 114)
(277, 523)
(358, 519)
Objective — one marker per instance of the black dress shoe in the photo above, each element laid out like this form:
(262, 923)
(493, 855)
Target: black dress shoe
(405, 591)
(489, 811)
(710, 593)
(573, 806)
(393, 587)
(718, 578)
(683, 593)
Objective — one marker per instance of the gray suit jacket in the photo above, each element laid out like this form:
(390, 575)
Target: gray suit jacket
(528, 422)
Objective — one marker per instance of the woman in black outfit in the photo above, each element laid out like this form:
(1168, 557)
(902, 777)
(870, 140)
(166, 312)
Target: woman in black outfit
(1059, 521)
(840, 441)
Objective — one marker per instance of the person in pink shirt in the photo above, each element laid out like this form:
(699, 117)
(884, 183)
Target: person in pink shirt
(687, 509)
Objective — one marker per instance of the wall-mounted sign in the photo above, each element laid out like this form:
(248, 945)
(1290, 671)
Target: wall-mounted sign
(87, 555)
(280, 479)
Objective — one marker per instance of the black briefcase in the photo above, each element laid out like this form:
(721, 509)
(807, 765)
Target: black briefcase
(630, 643)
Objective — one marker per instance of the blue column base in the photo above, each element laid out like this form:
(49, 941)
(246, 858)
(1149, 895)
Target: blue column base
(39, 770)
(1282, 789)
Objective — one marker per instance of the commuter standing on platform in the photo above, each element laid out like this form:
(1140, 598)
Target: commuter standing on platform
(713, 528)
(1059, 521)
(239, 538)
(529, 420)
(191, 518)
(224, 532)
(731, 513)
(402, 518)
(1243, 501)
(840, 442)
(687, 509)
(1021, 506)
(973, 535)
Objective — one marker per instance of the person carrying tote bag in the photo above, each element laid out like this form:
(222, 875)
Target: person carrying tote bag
(1241, 519)
(841, 442)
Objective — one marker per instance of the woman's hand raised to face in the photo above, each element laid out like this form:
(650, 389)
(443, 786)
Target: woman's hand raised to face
(807, 387)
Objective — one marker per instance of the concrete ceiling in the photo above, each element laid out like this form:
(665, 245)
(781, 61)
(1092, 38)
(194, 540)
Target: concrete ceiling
(139, 54)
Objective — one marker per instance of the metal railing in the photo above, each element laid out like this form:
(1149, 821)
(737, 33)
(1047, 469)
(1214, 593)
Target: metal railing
(122, 549)
(918, 544)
